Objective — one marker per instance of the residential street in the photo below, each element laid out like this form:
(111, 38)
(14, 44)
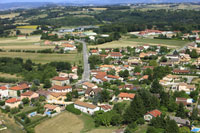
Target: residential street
(86, 73)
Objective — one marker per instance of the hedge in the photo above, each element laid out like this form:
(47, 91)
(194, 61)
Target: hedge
(71, 109)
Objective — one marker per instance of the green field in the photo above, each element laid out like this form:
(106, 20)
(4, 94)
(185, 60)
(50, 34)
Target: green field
(124, 42)
(44, 58)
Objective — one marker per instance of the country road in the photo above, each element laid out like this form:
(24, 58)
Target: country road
(86, 73)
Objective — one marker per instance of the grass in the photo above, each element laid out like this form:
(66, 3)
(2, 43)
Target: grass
(88, 122)
(134, 42)
(142, 128)
(44, 58)
(27, 27)
(12, 127)
(12, 76)
(63, 123)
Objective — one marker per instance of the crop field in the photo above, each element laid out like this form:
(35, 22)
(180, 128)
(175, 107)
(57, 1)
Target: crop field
(135, 42)
(27, 27)
(44, 58)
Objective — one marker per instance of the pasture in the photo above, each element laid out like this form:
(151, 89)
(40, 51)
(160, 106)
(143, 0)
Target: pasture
(10, 16)
(134, 42)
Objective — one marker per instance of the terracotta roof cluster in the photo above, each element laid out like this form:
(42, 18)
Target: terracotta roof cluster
(113, 76)
(57, 94)
(155, 113)
(28, 93)
(127, 95)
(180, 71)
(19, 87)
(60, 78)
(56, 87)
(12, 100)
(83, 104)
(94, 51)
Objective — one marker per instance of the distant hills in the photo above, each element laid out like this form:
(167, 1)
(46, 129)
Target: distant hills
(26, 4)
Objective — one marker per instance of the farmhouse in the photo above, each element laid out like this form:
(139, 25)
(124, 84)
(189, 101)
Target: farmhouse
(60, 81)
(50, 107)
(152, 114)
(13, 103)
(86, 107)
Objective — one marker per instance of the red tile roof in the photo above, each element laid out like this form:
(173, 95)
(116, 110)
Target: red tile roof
(60, 78)
(112, 76)
(19, 87)
(106, 107)
(94, 51)
(127, 95)
(3, 88)
(115, 54)
(155, 113)
(28, 93)
(84, 104)
(12, 100)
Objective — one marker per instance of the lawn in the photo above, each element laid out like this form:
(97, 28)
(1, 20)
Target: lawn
(124, 42)
(44, 58)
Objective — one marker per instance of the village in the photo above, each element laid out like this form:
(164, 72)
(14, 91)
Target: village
(116, 76)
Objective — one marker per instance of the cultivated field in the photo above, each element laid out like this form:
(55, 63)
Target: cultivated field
(63, 123)
(6, 75)
(27, 27)
(44, 58)
(134, 42)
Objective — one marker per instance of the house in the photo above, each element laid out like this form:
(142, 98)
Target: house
(116, 55)
(105, 108)
(50, 107)
(145, 77)
(74, 69)
(134, 61)
(56, 98)
(87, 85)
(13, 102)
(70, 75)
(60, 81)
(106, 67)
(184, 58)
(112, 77)
(43, 93)
(13, 90)
(99, 78)
(30, 95)
(180, 122)
(68, 47)
(60, 89)
(92, 92)
(3, 91)
(185, 87)
(126, 96)
(180, 71)
(86, 107)
(94, 52)
(21, 37)
(152, 114)
(198, 40)
(185, 101)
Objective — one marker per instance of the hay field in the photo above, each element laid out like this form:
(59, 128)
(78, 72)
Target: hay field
(6, 75)
(134, 42)
(10, 16)
(99, 9)
(27, 27)
(44, 58)
(63, 123)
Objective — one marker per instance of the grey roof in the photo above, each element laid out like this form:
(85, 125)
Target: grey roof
(180, 120)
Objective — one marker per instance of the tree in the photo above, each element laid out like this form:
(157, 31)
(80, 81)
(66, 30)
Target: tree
(137, 69)
(2, 103)
(47, 83)
(27, 120)
(28, 65)
(171, 127)
(163, 59)
(156, 87)
(181, 111)
(69, 96)
(104, 96)
(34, 87)
(135, 110)
(194, 115)
(18, 93)
(25, 101)
(18, 32)
(151, 129)
(116, 119)
(194, 54)
(153, 63)
(184, 130)
(75, 94)
(124, 74)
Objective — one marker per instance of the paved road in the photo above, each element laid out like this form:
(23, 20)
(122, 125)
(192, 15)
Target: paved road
(86, 73)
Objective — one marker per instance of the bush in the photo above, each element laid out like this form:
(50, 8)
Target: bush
(71, 109)
(2, 103)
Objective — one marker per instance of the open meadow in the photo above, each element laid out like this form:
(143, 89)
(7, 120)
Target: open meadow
(134, 42)
(69, 123)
